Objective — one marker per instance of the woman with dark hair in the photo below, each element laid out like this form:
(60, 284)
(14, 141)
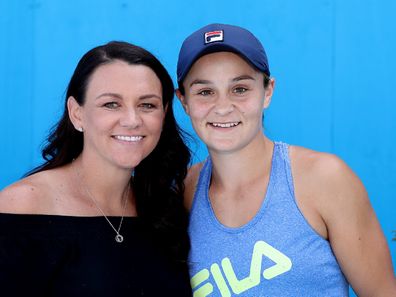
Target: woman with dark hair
(103, 216)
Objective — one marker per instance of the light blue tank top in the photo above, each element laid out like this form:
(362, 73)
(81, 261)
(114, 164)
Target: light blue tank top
(277, 253)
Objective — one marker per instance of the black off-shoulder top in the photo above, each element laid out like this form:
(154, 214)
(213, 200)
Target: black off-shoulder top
(51, 255)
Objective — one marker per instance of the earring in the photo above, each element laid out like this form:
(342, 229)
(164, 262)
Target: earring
(80, 129)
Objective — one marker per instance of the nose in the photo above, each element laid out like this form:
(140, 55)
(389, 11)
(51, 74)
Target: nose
(131, 119)
(223, 105)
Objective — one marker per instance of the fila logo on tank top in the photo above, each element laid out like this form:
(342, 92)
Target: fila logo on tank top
(230, 282)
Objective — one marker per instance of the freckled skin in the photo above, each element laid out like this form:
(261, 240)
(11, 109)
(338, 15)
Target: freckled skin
(223, 88)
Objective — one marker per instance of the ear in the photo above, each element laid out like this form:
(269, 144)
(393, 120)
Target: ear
(75, 113)
(268, 93)
(182, 99)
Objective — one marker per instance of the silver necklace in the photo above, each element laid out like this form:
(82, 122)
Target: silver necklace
(118, 238)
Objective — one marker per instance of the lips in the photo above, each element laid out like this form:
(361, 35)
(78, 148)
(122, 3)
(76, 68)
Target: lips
(224, 125)
(127, 138)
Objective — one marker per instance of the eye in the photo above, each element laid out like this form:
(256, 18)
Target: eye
(111, 105)
(239, 90)
(205, 92)
(148, 106)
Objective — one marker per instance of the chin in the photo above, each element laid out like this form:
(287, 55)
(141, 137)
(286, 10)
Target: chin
(128, 164)
(223, 148)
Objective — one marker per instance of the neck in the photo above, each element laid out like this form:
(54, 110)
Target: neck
(107, 184)
(233, 170)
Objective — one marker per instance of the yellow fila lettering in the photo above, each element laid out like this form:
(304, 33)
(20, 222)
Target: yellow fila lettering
(261, 249)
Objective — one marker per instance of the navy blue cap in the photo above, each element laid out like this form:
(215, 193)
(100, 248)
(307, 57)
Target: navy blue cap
(217, 38)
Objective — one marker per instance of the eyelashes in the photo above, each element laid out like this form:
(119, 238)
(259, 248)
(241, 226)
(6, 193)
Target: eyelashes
(240, 90)
(147, 106)
(205, 92)
(208, 92)
(111, 105)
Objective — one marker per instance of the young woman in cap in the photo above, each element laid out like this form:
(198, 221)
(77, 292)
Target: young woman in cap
(104, 215)
(266, 218)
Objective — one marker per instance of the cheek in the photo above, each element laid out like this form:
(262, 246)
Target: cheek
(154, 122)
(254, 108)
(198, 110)
(255, 114)
(99, 121)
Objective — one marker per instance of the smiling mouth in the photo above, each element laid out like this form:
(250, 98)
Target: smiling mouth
(225, 125)
(128, 138)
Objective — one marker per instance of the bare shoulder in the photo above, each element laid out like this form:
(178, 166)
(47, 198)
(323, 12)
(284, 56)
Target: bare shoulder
(325, 170)
(310, 160)
(26, 195)
(191, 183)
(340, 195)
(325, 189)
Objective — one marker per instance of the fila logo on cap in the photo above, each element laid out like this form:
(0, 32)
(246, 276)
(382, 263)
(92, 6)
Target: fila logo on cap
(214, 36)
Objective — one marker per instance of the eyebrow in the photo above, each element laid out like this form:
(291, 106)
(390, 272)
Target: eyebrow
(243, 77)
(109, 95)
(200, 82)
(118, 96)
(207, 82)
(149, 96)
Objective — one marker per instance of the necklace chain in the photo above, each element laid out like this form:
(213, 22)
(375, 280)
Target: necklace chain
(118, 238)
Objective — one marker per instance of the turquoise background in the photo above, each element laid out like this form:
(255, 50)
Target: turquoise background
(334, 64)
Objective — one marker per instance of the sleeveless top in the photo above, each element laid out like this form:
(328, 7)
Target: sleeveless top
(51, 255)
(277, 253)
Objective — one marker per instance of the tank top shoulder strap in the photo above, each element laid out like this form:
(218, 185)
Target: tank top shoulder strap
(281, 168)
(203, 182)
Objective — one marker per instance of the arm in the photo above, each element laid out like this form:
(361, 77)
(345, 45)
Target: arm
(190, 184)
(353, 229)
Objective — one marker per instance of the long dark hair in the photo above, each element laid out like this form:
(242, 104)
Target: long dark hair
(158, 179)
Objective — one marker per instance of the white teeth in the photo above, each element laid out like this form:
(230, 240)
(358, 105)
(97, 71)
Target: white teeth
(225, 125)
(128, 138)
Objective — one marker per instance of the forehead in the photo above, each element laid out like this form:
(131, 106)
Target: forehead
(123, 77)
(220, 65)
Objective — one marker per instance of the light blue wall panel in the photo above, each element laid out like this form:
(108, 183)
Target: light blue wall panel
(17, 90)
(364, 101)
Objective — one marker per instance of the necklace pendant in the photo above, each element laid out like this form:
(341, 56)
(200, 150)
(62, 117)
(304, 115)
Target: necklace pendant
(119, 238)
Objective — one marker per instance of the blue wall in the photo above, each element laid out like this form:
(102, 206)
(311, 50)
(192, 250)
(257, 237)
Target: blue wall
(334, 63)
